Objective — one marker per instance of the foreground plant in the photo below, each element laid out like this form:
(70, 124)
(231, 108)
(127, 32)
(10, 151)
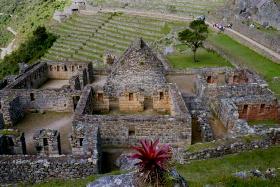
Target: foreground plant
(153, 161)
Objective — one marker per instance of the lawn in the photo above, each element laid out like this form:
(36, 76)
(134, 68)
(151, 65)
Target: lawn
(219, 170)
(269, 123)
(206, 58)
(265, 67)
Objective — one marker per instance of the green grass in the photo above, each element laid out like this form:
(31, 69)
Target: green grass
(9, 132)
(26, 17)
(264, 122)
(249, 58)
(206, 59)
(219, 170)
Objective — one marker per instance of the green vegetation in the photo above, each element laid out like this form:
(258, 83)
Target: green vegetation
(249, 58)
(214, 144)
(25, 17)
(194, 36)
(201, 146)
(264, 122)
(206, 59)
(28, 52)
(9, 132)
(87, 37)
(219, 171)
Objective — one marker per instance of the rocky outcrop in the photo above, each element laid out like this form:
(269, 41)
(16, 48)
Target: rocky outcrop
(266, 12)
(128, 180)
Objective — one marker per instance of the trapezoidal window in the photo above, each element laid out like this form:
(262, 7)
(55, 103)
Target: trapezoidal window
(45, 142)
(65, 68)
(32, 97)
(131, 131)
(130, 96)
(235, 79)
(81, 141)
(245, 109)
(262, 108)
(161, 96)
(100, 97)
(58, 68)
(209, 79)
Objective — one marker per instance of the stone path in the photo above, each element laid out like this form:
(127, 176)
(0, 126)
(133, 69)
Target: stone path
(275, 56)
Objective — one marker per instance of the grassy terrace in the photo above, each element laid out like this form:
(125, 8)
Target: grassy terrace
(86, 38)
(219, 171)
(183, 7)
(249, 58)
(216, 171)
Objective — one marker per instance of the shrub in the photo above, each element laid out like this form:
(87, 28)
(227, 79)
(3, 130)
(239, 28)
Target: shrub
(154, 160)
(30, 51)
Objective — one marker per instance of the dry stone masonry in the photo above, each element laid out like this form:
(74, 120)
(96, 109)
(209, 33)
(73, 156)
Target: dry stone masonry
(115, 107)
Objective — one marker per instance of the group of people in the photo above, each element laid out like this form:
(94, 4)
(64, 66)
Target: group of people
(221, 27)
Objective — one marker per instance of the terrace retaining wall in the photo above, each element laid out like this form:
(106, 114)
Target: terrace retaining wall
(269, 139)
(33, 169)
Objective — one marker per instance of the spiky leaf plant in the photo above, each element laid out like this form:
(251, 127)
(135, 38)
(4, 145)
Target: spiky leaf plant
(153, 161)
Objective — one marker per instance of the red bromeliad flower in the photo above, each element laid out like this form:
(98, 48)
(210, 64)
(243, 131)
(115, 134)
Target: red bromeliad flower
(152, 157)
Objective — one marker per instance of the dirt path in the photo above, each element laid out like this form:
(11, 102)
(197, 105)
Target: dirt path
(275, 56)
(10, 47)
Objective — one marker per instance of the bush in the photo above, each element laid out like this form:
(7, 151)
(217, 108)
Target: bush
(30, 51)
(153, 162)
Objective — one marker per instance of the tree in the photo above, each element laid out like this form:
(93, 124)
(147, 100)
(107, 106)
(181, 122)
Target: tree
(194, 36)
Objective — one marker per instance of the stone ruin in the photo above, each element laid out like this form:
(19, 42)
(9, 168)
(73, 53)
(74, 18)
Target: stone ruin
(136, 97)
(47, 142)
(76, 6)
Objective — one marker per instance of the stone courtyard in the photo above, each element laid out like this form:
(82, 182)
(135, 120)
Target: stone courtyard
(74, 111)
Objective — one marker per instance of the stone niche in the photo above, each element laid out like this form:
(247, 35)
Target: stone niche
(161, 101)
(258, 111)
(130, 101)
(47, 142)
(100, 102)
(211, 78)
(77, 140)
(238, 77)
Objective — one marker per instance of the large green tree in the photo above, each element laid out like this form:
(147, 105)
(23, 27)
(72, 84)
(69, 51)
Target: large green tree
(194, 36)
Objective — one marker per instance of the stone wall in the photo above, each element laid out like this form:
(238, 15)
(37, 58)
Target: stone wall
(161, 101)
(128, 130)
(35, 169)
(257, 107)
(100, 101)
(47, 142)
(130, 101)
(32, 79)
(48, 100)
(75, 83)
(12, 111)
(12, 142)
(64, 70)
(270, 139)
